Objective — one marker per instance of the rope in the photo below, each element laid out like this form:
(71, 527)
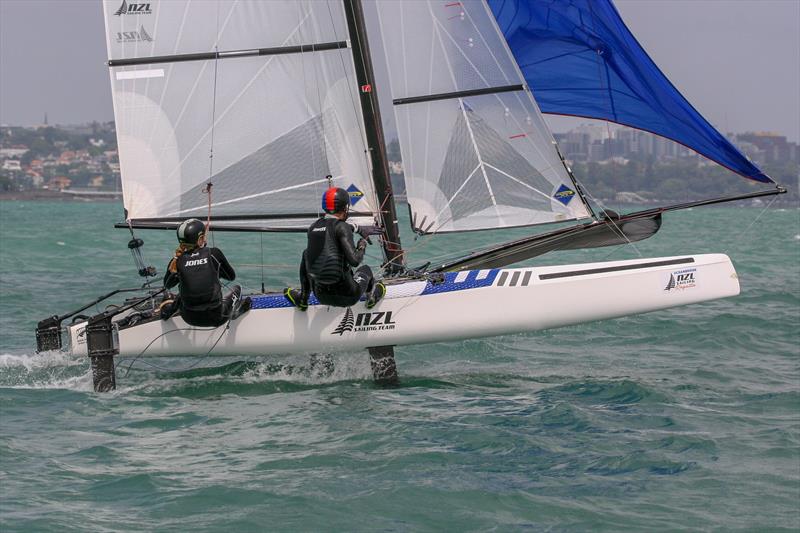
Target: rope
(202, 358)
(262, 263)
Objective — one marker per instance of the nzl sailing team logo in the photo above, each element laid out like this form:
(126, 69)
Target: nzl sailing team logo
(376, 321)
(681, 279)
(140, 36)
(133, 9)
(564, 194)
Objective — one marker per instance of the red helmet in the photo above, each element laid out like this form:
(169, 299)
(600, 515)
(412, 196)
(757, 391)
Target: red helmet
(335, 200)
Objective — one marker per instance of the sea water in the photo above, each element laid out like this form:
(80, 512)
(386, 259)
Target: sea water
(681, 419)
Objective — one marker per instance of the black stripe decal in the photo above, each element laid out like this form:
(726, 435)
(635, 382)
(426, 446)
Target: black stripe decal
(457, 94)
(242, 229)
(637, 266)
(526, 279)
(514, 278)
(202, 56)
(502, 280)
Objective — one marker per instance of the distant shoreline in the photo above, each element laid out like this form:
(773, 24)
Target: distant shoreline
(45, 194)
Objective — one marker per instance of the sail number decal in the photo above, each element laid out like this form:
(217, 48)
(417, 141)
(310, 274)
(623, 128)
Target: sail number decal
(681, 279)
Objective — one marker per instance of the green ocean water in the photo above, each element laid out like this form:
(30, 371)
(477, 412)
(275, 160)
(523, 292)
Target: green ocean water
(686, 419)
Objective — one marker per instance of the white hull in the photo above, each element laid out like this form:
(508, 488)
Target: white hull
(469, 304)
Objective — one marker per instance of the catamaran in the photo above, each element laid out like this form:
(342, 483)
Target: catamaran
(271, 102)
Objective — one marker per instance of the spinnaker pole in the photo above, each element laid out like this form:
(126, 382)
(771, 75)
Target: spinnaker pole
(392, 249)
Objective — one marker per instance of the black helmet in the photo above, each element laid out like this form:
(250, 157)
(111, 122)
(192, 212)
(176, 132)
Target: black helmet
(335, 200)
(189, 231)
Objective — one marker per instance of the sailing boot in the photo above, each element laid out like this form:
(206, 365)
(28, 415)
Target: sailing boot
(297, 298)
(376, 295)
(244, 307)
(167, 309)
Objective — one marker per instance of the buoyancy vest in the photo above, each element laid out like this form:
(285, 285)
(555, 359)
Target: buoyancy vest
(199, 280)
(325, 262)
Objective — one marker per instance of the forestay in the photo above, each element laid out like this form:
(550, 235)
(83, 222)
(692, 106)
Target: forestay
(258, 98)
(476, 151)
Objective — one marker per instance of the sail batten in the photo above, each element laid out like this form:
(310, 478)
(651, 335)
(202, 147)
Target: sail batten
(229, 54)
(458, 94)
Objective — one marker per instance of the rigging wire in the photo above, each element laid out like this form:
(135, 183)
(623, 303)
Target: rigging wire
(207, 189)
(740, 235)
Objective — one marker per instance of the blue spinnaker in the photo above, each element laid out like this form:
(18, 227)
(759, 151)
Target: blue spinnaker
(580, 59)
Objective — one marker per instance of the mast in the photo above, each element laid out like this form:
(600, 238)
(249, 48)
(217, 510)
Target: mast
(392, 249)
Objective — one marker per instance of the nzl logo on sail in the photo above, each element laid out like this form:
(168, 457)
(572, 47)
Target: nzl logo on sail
(133, 9)
(376, 321)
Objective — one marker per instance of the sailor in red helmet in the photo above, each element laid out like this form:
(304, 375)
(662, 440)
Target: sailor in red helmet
(328, 261)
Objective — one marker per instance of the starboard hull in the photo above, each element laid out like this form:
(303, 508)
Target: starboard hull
(468, 304)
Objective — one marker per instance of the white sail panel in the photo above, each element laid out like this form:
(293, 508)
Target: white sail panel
(476, 151)
(275, 124)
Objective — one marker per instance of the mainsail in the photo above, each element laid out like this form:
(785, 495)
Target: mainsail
(476, 151)
(258, 98)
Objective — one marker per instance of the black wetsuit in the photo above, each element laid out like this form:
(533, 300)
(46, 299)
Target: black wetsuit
(328, 263)
(200, 302)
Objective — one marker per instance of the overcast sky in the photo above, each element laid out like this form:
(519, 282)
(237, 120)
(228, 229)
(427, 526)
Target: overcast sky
(737, 61)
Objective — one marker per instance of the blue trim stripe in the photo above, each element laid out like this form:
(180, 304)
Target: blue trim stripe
(471, 282)
(277, 300)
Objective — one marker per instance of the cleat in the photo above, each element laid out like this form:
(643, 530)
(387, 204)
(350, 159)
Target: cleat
(296, 298)
(377, 294)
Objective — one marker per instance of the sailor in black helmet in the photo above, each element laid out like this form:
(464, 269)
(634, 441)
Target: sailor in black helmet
(328, 260)
(198, 269)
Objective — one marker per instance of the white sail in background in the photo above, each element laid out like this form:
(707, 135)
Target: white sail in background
(471, 161)
(276, 123)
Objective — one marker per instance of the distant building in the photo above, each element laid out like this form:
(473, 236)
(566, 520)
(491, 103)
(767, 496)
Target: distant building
(37, 180)
(12, 165)
(596, 143)
(768, 147)
(66, 157)
(13, 151)
(59, 183)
